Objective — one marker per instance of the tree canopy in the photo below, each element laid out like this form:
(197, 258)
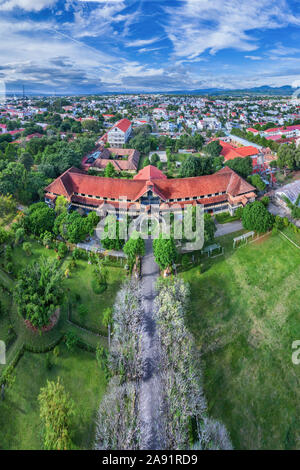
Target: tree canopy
(56, 411)
(39, 291)
(256, 217)
(164, 251)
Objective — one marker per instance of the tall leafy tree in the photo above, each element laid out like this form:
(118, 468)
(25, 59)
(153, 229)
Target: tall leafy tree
(56, 411)
(256, 217)
(164, 251)
(39, 291)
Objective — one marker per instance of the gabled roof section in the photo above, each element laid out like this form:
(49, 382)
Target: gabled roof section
(150, 172)
(123, 124)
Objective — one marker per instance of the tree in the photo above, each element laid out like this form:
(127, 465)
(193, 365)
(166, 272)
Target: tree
(27, 248)
(61, 205)
(134, 248)
(256, 217)
(257, 181)
(112, 239)
(242, 166)
(27, 160)
(3, 235)
(56, 411)
(39, 291)
(164, 251)
(190, 167)
(7, 379)
(7, 206)
(12, 179)
(107, 319)
(154, 159)
(214, 148)
(73, 227)
(40, 218)
(109, 171)
(196, 166)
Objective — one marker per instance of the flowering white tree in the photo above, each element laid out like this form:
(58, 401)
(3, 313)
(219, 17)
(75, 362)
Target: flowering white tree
(117, 423)
(185, 411)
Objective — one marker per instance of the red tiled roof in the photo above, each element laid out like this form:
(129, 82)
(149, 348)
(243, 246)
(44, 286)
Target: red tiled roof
(230, 152)
(123, 125)
(224, 181)
(150, 172)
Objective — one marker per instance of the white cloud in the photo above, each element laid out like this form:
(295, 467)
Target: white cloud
(142, 42)
(200, 25)
(27, 5)
(253, 57)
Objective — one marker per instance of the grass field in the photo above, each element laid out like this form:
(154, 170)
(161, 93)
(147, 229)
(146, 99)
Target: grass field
(245, 315)
(79, 282)
(20, 425)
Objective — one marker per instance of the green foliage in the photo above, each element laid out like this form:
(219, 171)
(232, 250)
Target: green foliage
(242, 166)
(112, 236)
(73, 227)
(265, 200)
(196, 166)
(62, 250)
(19, 235)
(134, 247)
(7, 206)
(257, 181)
(214, 148)
(61, 205)
(56, 411)
(8, 377)
(256, 217)
(71, 340)
(40, 219)
(109, 171)
(39, 291)
(27, 248)
(3, 235)
(164, 251)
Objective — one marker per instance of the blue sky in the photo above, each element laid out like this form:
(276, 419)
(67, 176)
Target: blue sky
(74, 46)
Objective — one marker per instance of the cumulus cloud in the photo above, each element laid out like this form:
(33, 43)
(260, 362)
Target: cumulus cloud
(200, 25)
(27, 5)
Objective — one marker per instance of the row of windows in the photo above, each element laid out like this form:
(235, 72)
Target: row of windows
(196, 197)
(168, 200)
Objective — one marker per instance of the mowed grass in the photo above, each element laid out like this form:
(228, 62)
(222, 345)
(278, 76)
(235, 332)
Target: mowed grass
(80, 282)
(20, 424)
(245, 315)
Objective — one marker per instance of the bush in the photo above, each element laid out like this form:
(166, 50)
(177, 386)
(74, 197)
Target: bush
(62, 250)
(71, 340)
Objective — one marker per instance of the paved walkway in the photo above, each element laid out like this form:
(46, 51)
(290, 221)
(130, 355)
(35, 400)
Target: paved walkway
(150, 387)
(230, 227)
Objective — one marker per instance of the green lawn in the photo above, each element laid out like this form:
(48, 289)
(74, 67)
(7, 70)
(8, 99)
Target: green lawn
(20, 425)
(80, 282)
(245, 315)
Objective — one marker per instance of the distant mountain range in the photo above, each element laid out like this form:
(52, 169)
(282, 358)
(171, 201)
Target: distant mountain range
(257, 91)
(262, 90)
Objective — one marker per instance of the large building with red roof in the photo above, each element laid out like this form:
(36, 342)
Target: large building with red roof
(222, 191)
(118, 134)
